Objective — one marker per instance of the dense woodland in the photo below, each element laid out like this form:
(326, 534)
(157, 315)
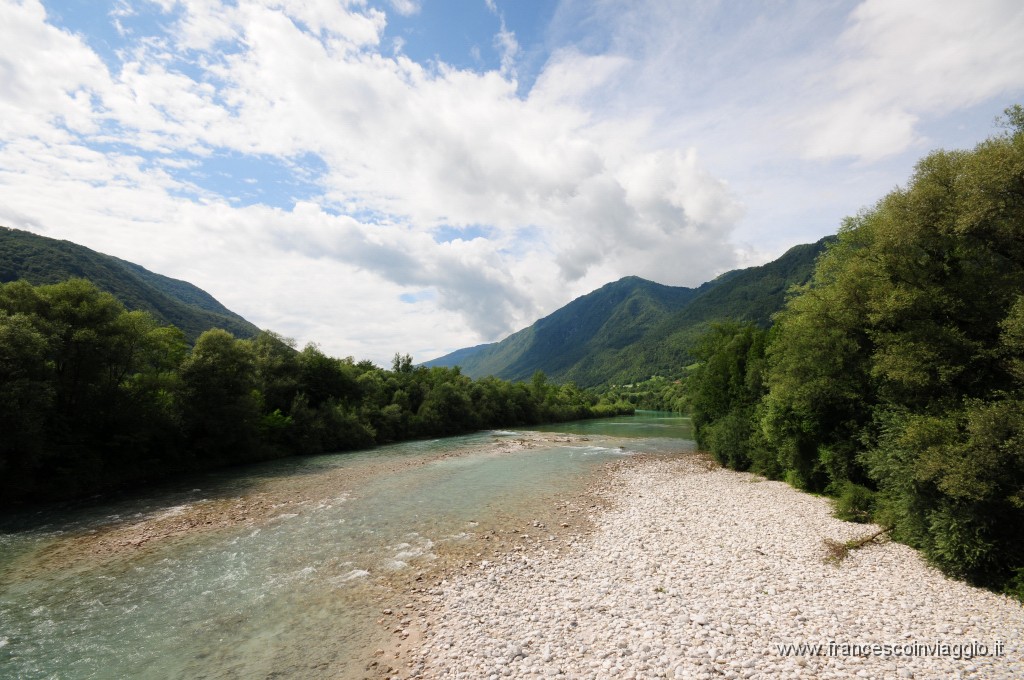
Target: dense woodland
(96, 397)
(894, 379)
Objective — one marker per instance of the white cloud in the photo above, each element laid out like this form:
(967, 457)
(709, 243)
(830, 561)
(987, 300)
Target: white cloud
(908, 59)
(810, 111)
(570, 76)
(592, 175)
(505, 42)
(568, 202)
(406, 7)
(46, 75)
(508, 49)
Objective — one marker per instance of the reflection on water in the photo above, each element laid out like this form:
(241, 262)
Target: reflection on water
(297, 592)
(643, 424)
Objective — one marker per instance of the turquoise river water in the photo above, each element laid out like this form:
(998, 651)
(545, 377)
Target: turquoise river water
(280, 569)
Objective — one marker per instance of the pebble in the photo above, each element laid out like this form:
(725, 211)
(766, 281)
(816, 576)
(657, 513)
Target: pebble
(699, 572)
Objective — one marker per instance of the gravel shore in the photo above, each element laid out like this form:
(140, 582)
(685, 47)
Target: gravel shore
(699, 572)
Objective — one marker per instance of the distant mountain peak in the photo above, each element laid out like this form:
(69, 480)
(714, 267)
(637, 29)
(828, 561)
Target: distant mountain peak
(633, 328)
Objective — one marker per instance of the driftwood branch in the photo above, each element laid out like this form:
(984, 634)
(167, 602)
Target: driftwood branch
(837, 551)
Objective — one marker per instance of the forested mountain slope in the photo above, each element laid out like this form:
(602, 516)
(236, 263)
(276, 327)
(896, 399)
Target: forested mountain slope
(41, 260)
(633, 328)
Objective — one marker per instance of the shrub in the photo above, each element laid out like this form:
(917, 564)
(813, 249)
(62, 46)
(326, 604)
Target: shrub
(855, 503)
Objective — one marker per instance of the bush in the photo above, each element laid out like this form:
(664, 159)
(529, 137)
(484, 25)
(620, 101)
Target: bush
(795, 479)
(855, 503)
(728, 438)
(1015, 586)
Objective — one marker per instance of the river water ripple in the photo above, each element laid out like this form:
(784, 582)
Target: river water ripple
(282, 569)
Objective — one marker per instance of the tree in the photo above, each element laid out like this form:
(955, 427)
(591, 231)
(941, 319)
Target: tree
(322, 377)
(219, 399)
(899, 364)
(277, 370)
(26, 399)
(401, 364)
(1012, 119)
(81, 405)
(820, 391)
(446, 410)
(724, 390)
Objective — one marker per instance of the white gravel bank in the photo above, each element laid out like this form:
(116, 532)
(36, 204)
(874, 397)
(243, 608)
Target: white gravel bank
(700, 573)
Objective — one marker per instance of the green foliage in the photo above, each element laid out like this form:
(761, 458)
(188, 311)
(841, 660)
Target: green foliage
(27, 397)
(953, 485)
(655, 394)
(728, 438)
(818, 376)
(322, 377)
(1012, 119)
(447, 409)
(1015, 586)
(894, 378)
(276, 366)
(80, 384)
(946, 259)
(725, 389)
(95, 397)
(219, 402)
(401, 364)
(855, 503)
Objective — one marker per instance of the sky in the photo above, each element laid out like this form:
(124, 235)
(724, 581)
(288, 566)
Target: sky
(416, 176)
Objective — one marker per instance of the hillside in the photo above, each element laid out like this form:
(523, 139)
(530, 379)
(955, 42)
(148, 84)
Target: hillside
(42, 260)
(633, 328)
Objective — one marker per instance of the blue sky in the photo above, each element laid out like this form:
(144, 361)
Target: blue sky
(422, 175)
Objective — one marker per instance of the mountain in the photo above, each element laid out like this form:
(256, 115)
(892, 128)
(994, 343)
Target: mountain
(633, 328)
(42, 260)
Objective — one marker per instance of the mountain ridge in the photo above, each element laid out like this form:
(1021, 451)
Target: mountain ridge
(632, 328)
(43, 260)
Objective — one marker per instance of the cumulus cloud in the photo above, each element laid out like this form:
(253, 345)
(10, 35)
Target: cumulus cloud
(591, 174)
(46, 75)
(905, 60)
(811, 111)
(408, 150)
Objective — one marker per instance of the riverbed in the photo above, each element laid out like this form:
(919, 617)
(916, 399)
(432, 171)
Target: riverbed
(284, 568)
(698, 572)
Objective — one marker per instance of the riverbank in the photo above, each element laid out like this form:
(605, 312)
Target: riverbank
(698, 572)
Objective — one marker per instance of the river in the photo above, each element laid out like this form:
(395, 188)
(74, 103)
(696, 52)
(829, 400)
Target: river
(282, 569)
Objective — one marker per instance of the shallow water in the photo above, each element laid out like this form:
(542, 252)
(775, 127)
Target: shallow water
(297, 592)
(649, 431)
